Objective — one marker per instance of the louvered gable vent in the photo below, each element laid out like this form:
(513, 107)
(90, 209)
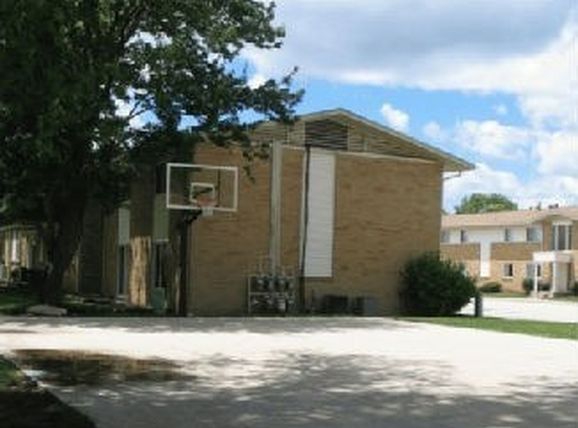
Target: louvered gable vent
(326, 134)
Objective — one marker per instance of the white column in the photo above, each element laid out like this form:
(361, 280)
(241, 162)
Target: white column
(535, 280)
(554, 278)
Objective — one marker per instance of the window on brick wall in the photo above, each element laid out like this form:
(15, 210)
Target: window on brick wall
(508, 270)
(445, 237)
(160, 255)
(530, 270)
(561, 237)
(532, 234)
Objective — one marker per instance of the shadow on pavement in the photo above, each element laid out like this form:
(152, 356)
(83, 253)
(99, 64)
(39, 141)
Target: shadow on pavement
(302, 390)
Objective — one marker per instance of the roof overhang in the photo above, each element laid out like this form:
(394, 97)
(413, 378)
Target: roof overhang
(415, 149)
(450, 162)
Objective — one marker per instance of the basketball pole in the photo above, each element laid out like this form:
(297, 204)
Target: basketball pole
(185, 227)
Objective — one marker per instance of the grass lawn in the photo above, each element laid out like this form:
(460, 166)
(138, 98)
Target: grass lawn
(24, 406)
(15, 302)
(556, 330)
(567, 298)
(508, 294)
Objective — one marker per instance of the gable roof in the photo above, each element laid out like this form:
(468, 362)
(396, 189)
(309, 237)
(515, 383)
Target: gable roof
(508, 218)
(370, 137)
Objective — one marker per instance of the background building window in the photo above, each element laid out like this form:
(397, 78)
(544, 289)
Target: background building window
(463, 236)
(530, 270)
(445, 238)
(532, 234)
(508, 270)
(507, 235)
(561, 237)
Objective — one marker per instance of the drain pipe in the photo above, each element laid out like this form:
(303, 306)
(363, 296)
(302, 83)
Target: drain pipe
(305, 227)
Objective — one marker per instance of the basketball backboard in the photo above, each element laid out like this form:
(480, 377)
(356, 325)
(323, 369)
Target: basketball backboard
(198, 187)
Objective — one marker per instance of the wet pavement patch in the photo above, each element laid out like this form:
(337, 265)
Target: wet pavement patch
(68, 368)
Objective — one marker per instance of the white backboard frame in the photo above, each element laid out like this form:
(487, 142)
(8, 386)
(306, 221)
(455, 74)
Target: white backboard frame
(232, 169)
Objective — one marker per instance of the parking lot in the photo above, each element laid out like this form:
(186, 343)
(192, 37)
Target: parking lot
(305, 372)
(528, 308)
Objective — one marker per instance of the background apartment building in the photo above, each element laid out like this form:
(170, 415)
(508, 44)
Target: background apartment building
(510, 246)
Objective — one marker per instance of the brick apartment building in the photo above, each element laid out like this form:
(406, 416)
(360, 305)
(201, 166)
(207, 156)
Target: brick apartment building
(508, 247)
(373, 201)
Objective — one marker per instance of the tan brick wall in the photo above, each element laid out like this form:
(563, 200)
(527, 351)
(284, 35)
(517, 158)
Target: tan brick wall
(467, 254)
(226, 247)
(387, 211)
(460, 252)
(546, 235)
(377, 228)
(514, 251)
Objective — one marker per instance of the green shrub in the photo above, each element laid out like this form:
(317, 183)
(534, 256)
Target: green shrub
(491, 287)
(435, 287)
(528, 285)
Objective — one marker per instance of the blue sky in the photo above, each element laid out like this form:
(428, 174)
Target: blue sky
(494, 82)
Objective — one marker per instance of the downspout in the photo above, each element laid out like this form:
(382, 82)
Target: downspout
(305, 227)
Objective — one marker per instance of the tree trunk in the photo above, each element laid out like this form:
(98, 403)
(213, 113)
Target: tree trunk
(63, 238)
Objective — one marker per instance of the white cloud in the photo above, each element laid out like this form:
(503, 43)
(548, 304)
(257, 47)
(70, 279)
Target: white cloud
(559, 154)
(491, 138)
(256, 81)
(124, 109)
(501, 110)
(394, 118)
(484, 179)
(434, 132)
(525, 48)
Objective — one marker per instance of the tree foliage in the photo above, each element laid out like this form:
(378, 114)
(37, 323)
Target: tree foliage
(74, 75)
(485, 203)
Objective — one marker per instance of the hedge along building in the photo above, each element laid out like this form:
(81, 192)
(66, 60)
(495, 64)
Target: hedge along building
(340, 200)
(510, 246)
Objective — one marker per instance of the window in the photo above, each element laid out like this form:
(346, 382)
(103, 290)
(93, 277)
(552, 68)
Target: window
(532, 234)
(463, 236)
(530, 270)
(123, 269)
(159, 267)
(508, 270)
(508, 235)
(561, 237)
(445, 238)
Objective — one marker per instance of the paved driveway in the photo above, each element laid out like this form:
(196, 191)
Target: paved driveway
(305, 372)
(528, 308)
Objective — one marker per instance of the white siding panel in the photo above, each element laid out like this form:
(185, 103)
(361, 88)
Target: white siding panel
(123, 226)
(319, 245)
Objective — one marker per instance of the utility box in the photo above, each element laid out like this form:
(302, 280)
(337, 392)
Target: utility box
(365, 306)
(334, 304)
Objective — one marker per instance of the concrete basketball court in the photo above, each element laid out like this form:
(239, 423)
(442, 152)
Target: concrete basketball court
(321, 372)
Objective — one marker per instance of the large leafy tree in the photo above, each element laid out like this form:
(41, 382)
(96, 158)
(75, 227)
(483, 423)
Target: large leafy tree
(485, 203)
(75, 73)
